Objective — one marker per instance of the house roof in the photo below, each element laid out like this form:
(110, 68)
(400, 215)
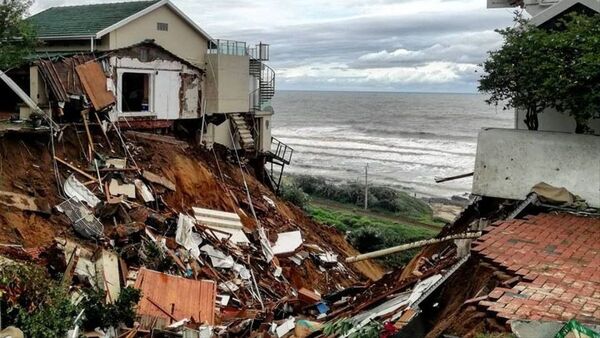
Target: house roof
(97, 20)
(561, 7)
(557, 257)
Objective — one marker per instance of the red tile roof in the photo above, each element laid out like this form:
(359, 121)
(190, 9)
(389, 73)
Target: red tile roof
(558, 256)
(186, 298)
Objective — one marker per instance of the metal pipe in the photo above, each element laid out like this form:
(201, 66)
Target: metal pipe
(409, 246)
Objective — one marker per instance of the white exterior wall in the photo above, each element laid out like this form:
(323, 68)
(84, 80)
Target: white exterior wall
(510, 162)
(264, 120)
(551, 120)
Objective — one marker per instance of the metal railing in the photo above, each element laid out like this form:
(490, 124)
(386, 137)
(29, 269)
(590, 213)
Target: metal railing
(281, 150)
(228, 47)
(260, 52)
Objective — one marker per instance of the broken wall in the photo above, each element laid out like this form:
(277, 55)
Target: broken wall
(510, 162)
(175, 88)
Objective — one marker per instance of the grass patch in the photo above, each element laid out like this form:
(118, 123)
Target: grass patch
(369, 234)
(382, 199)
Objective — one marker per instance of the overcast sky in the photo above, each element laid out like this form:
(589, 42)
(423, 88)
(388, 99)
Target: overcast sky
(373, 45)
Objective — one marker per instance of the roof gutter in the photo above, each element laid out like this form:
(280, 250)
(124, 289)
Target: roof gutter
(68, 37)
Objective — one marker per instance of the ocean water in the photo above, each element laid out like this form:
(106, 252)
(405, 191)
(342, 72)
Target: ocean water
(406, 139)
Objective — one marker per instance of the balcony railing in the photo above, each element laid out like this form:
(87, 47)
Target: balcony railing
(227, 47)
(260, 52)
(238, 48)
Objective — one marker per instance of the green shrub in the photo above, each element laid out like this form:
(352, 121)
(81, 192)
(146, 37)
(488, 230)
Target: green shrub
(36, 304)
(294, 194)
(99, 314)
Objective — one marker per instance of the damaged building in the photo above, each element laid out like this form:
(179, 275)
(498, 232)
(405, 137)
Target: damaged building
(146, 65)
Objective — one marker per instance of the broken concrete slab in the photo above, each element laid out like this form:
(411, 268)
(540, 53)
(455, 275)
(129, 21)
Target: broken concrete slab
(287, 242)
(144, 191)
(107, 274)
(153, 178)
(222, 219)
(118, 189)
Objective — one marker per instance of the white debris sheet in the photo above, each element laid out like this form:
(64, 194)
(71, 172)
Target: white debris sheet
(79, 192)
(287, 242)
(228, 224)
(186, 237)
(144, 191)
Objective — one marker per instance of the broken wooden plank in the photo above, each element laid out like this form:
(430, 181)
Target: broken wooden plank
(159, 180)
(94, 80)
(409, 246)
(157, 138)
(452, 178)
(77, 170)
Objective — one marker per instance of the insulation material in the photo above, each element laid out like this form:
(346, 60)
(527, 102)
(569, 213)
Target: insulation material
(287, 242)
(186, 298)
(186, 237)
(218, 258)
(93, 81)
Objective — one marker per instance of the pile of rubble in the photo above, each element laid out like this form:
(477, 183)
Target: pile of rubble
(209, 255)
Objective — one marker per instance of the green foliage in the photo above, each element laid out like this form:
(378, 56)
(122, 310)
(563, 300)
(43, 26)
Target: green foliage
(36, 304)
(293, 193)
(343, 326)
(154, 258)
(366, 234)
(380, 198)
(99, 314)
(552, 67)
(17, 38)
(574, 83)
(367, 239)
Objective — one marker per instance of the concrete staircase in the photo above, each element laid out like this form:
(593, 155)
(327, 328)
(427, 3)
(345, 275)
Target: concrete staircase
(244, 132)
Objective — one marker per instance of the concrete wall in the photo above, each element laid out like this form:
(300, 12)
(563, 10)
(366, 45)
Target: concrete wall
(227, 84)
(510, 162)
(264, 119)
(551, 120)
(181, 39)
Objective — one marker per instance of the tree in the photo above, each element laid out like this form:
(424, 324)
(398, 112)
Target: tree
(575, 85)
(17, 37)
(513, 74)
(556, 67)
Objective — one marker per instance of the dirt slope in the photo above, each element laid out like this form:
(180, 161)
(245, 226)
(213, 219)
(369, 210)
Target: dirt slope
(203, 179)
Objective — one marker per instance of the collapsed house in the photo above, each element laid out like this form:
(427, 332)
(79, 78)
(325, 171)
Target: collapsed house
(156, 69)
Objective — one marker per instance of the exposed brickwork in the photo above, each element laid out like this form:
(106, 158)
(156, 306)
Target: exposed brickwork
(558, 257)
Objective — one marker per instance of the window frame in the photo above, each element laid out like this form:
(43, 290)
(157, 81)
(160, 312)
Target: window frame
(151, 79)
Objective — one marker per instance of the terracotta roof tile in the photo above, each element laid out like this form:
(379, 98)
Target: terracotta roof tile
(558, 256)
